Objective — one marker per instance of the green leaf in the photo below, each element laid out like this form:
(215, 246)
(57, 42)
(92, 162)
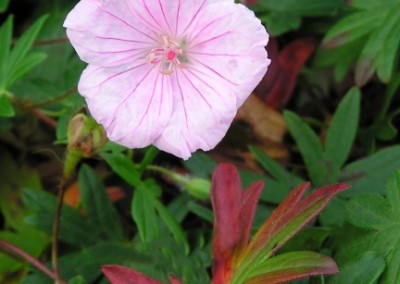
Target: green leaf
(393, 191)
(5, 43)
(370, 174)
(97, 204)
(123, 166)
(309, 146)
(370, 211)
(365, 269)
(6, 108)
(392, 273)
(290, 266)
(21, 49)
(144, 214)
(172, 225)
(74, 229)
(3, 6)
(25, 65)
(342, 131)
(201, 211)
(77, 280)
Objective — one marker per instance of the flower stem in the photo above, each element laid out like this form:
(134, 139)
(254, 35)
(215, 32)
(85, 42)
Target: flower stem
(71, 161)
(13, 250)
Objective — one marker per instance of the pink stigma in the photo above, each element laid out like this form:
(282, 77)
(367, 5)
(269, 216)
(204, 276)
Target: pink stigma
(170, 55)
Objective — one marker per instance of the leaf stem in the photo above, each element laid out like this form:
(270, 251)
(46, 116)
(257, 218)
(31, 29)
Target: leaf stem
(15, 251)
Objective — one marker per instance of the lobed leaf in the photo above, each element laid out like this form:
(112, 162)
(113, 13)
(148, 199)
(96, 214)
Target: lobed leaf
(97, 204)
(122, 166)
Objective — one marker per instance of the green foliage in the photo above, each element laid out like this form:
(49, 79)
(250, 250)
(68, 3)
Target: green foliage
(372, 28)
(281, 16)
(379, 215)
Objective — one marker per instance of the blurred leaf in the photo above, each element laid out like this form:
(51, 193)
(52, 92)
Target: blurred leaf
(74, 229)
(379, 26)
(342, 131)
(309, 146)
(77, 280)
(285, 180)
(6, 36)
(201, 211)
(144, 214)
(15, 63)
(6, 108)
(3, 6)
(97, 204)
(290, 266)
(310, 239)
(365, 269)
(281, 16)
(26, 64)
(123, 275)
(88, 261)
(123, 166)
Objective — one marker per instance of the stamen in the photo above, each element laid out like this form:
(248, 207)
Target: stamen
(169, 55)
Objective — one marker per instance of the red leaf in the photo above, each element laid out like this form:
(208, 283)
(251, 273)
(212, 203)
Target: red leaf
(174, 280)
(249, 205)
(226, 201)
(226, 196)
(281, 77)
(123, 275)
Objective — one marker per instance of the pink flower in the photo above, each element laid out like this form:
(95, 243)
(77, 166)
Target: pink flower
(167, 72)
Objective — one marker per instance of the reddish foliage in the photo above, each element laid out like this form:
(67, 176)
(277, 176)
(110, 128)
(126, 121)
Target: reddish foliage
(123, 275)
(278, 85)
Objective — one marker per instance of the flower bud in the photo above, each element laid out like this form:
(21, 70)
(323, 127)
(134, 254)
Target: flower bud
(85, 136)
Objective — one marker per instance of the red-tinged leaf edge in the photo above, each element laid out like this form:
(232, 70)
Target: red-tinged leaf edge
(122, 275)
(226, 196)
(320, 265)
(248, 208)
(174, 280)
(272, 227)
(286, 206)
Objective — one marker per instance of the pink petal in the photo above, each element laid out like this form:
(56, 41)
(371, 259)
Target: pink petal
(203, 110)
(229, 41)
(133, 103)
(106, 33)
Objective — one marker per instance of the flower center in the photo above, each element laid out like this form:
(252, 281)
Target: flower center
(170, 55)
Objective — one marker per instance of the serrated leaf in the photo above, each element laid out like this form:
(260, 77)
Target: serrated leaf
(97, 204)
(144, 214)
(342, 131)
(123, 166)
(74, 229)
(6, 108)
(393, 191)
(309, 146)
(370, 174)
(291, 266)
(365, 269)
(370, 211)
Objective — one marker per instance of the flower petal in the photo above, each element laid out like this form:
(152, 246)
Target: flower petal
(106, 33)
(133, 104)
(203, 111)
(230, 41)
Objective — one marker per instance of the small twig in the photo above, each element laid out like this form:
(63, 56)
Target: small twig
(55, 99)
(39, 114)
(56, 231)
(13, 250)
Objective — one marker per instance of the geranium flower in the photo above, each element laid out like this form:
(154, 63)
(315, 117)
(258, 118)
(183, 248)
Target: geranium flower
(167, 72)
